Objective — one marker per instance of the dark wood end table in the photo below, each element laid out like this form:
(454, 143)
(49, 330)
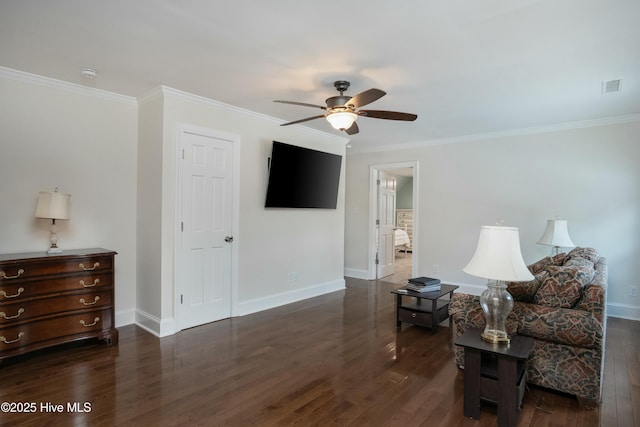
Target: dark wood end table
(503, 384)
(427, 315)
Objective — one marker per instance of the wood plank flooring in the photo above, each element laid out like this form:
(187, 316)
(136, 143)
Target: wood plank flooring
(333, 360)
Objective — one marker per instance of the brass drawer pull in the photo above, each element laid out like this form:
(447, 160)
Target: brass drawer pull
(3, 314)
(95, 300)
(95, 282)
(4, 293)
(4, 275)
(4, 340)
(87, 325)
(95, 265)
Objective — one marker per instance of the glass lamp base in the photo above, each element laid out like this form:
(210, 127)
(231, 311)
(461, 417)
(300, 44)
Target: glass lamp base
(496, 303)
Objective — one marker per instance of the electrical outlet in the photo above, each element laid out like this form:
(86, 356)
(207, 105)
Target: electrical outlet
(633, 291)
(436, 268)
(293, 277)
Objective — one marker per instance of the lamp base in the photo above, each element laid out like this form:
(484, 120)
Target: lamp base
(494, 337)
(496, 303)
(55, 250)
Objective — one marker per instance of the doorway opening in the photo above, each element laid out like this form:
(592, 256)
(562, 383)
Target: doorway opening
(393, 222)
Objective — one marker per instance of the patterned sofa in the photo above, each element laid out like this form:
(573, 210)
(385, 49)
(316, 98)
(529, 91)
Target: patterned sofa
(563, 309)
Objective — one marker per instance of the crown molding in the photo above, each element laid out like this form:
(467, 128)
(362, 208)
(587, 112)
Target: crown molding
(34, 79)
(165, 90)
(606, 121)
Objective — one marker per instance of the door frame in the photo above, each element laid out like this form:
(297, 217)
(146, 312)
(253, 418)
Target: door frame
(183, 128)
(373, 213)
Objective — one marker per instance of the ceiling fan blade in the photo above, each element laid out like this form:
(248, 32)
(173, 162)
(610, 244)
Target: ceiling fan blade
(353, 129)
(304, 104)
(304, 120)
(388, 115)
(366, 97)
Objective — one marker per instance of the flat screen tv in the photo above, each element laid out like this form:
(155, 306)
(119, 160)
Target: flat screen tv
(302, 178)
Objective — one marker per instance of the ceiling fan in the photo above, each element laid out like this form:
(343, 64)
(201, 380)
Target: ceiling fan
(342, 111)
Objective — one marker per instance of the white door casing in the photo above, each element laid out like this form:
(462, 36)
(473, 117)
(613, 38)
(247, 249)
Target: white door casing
(204, 259)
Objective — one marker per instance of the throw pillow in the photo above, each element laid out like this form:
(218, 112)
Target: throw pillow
(563, 286)
(526, 291)
(588, 253)
(538, 266)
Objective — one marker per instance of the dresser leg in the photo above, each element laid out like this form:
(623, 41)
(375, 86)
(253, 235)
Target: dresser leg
(112, 338)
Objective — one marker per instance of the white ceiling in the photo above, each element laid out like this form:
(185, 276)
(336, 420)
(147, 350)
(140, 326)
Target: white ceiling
(465, 67)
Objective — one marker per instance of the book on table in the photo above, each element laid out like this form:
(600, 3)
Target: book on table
(423, 284)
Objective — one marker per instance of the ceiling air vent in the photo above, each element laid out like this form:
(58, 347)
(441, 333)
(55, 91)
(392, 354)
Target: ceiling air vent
(611, 86)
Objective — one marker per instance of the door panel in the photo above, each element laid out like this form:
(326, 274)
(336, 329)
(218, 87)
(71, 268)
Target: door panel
(205, 264)
(386, 218)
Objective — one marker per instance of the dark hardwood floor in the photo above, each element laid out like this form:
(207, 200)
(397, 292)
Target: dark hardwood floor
(336, 360)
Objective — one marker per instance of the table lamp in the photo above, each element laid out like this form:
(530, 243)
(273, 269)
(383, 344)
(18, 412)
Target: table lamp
(557, 235)
(498, 259)
(53, 206)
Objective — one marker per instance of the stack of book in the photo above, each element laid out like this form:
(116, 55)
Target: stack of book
(423, 284)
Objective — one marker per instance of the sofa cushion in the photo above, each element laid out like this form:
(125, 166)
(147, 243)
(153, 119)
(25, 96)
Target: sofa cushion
(563, 286)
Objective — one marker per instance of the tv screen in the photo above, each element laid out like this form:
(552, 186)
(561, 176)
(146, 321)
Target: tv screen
(302, 178)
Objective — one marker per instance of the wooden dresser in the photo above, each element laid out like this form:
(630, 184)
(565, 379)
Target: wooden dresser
(51, 299)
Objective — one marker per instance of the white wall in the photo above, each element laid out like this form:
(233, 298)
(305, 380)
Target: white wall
(118, 160)
(83, 141)
(270, 243)
(588, 176)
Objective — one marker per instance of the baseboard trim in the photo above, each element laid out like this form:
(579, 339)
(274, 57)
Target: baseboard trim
(158, 327)
(125, 317)
(356, 273)
(259, 304)
(623, 311)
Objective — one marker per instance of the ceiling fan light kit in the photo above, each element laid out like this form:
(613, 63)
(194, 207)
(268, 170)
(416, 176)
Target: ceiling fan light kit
(342, 111)
(342, 120)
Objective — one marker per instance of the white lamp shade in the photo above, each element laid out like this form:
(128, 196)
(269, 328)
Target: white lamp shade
(342, 119)
(498, 256)
(556, 234)
(53, 205)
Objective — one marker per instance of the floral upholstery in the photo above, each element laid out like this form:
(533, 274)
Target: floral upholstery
(563, 309)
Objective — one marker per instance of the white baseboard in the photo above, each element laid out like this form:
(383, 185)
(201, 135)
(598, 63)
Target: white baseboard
(125, 317)
(624, 311)
(158, 327)
(356, 273)
(273, 301)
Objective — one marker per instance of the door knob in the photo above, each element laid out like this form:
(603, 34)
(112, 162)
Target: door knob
(228, 239)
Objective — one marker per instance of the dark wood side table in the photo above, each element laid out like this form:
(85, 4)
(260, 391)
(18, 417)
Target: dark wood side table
(494, 372)
(428, 315)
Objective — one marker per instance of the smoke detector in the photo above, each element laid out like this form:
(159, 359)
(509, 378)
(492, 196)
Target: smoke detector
(88, 73)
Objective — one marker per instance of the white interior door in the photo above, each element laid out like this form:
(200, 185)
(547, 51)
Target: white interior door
(386, 223)
(206, 237)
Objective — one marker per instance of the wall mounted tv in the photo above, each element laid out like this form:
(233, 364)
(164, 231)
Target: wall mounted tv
(302, 178)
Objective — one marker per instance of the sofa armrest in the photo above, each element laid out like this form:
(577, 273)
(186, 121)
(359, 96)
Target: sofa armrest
(560, 325)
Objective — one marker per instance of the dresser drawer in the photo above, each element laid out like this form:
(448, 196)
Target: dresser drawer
(15, 292)
(47, 300)
(17, 271)
(28, 310)
(50, 331)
